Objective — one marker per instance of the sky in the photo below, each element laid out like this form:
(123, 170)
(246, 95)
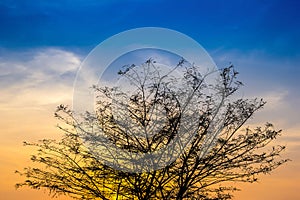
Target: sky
(43, 43)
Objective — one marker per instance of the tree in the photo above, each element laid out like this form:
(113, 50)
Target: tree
(210, 145)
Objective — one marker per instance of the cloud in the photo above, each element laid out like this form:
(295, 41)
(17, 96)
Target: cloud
(40, 77)
(37, 77)
(275, 79)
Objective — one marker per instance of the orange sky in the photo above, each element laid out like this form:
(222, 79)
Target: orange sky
(31, 125)
(26, 114)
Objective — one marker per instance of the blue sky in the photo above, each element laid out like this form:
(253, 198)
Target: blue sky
(245, 25)
(43, 42)
(261, 37)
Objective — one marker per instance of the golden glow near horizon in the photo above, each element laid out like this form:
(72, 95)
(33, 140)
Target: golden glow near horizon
(26, 114)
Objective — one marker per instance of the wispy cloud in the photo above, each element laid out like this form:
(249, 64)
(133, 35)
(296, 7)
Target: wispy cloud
(274, 79)
(36, 78)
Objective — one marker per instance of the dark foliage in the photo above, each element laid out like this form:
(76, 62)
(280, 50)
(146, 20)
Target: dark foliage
(204, 170)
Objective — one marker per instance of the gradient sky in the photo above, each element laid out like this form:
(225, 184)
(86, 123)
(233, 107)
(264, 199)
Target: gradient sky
(42, 44)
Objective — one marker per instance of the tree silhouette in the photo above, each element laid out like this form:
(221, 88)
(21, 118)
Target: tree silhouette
(192, 133)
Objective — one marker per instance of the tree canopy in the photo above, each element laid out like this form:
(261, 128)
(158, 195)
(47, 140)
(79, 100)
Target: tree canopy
(194, 136)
